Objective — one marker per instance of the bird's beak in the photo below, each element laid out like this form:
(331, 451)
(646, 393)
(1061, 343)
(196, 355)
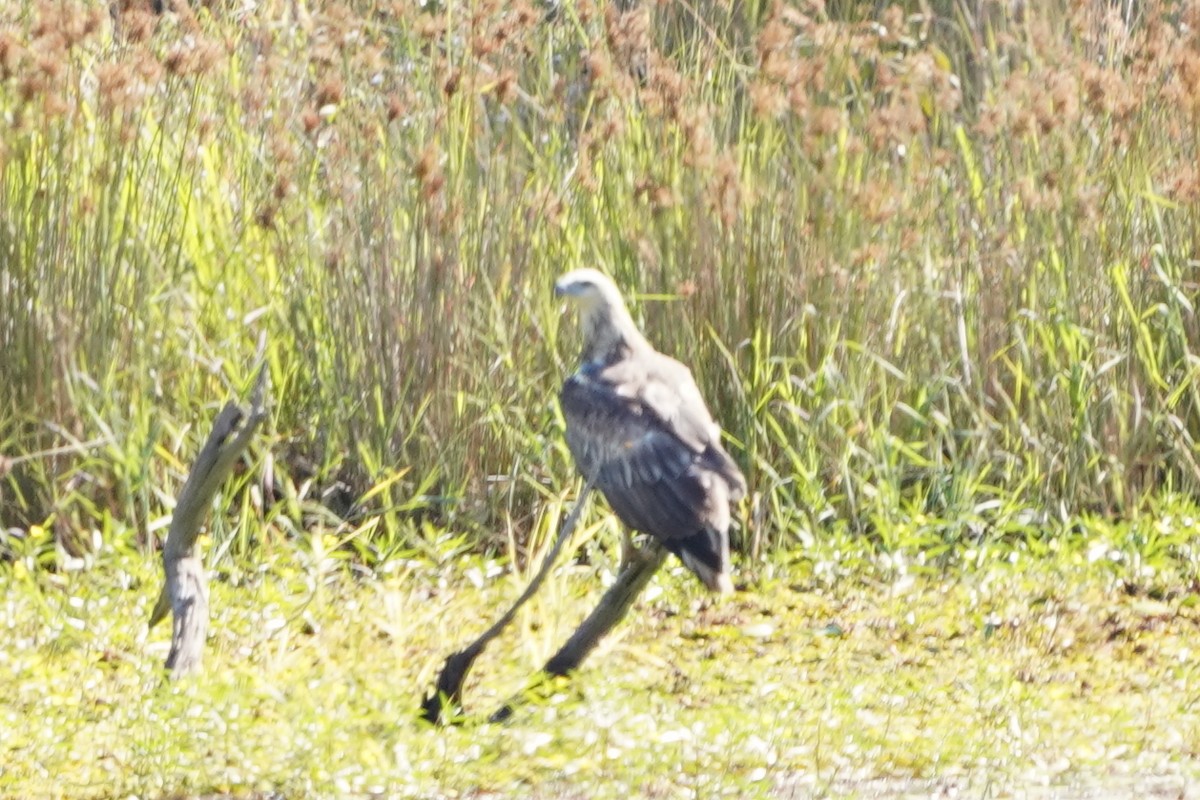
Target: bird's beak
(560, 289)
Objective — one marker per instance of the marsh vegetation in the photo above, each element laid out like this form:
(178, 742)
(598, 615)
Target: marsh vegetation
(934, 265)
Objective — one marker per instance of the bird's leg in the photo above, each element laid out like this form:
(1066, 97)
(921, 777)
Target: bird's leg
(631, 554)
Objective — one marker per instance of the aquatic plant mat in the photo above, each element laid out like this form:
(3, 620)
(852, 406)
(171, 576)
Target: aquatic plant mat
(1041, 676)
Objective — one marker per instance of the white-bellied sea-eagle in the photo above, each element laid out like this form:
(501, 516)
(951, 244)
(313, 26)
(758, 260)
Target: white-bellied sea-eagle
(640, 431)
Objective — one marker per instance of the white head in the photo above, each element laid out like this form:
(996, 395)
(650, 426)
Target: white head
(589, 288)
(607, 326)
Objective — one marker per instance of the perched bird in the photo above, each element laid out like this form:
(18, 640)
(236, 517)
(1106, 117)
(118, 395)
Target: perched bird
(640, 431)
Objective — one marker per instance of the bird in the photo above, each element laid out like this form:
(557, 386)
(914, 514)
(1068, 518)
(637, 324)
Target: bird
(639, 430)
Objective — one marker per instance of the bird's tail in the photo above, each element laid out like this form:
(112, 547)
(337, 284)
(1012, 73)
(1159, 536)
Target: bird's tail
(706, 553)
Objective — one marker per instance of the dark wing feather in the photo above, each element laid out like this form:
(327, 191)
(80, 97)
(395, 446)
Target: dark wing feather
(641, 431)
(669, 394)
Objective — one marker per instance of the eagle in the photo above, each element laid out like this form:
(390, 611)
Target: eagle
(639, 431)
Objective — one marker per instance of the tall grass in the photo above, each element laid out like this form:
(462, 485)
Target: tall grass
(926, 260)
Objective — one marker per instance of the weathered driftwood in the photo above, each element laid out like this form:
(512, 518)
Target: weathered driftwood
(186, 589)
(611, 609)
(454, 672)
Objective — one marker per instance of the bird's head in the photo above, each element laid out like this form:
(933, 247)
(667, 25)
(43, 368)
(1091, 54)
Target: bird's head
(606, 321)
(589, 288)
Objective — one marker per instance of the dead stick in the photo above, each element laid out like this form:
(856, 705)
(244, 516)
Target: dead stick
(612, 608)
(186, 589)
(454, 671)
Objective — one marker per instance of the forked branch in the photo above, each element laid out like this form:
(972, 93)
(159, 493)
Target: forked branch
(186, 589)
(612, 608)
(454, 672)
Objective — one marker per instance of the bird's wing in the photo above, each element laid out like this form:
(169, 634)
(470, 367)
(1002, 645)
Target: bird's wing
(668, 392)
(640, 429)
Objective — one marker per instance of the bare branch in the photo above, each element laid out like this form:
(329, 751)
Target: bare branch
(454, 671)
(186, 589)
(611, 609)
